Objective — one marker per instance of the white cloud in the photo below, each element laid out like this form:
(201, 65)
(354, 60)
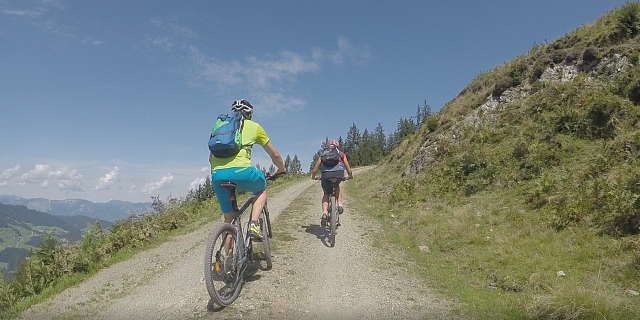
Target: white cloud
(182, 31)
(205, 171)
(163, 43)
(268, 80)
(346, 51)
(175, 29)
(64, 173)
(108, 180)
(196, 183)
(68, 180)
(42, 16)
(11, 173)
(42, 175)
(153, 187)
(38, 174)
(97, 43)
(23, 13)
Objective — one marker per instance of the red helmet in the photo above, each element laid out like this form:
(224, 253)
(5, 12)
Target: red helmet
(332, 143)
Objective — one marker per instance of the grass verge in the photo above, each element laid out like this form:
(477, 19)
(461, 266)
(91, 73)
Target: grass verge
(500, 260)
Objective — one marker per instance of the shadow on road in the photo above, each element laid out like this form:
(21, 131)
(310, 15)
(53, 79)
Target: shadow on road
(212, 307)
(321, 233)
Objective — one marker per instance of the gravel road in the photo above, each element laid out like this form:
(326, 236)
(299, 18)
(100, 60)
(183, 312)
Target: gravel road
(309, 280)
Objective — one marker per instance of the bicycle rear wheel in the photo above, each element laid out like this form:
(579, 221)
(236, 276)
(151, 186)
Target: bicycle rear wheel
(221, 272)
(334, 220)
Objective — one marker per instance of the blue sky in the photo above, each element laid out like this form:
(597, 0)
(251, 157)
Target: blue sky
(105, 100)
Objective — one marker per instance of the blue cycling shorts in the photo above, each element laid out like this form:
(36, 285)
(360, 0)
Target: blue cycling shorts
(246, 179)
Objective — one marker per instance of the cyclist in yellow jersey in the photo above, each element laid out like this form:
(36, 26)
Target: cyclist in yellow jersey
(239, 170)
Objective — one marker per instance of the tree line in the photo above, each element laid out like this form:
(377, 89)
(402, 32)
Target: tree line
(292, 165)
(370, 146)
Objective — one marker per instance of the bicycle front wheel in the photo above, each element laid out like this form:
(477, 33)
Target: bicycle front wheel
(221, 271)
(334, 220)
(266, 242)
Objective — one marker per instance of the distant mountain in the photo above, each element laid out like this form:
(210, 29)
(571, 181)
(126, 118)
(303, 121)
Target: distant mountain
(109, 211)
(84, 223)
(21, 229)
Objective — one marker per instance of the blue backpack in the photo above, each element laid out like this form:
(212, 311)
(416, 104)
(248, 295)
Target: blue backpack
(226, 136)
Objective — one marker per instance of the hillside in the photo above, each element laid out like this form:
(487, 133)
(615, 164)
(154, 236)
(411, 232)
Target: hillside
(21, 229)
(528, 183)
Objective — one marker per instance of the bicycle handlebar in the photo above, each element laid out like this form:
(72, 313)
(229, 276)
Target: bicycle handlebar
(273, 177)
(345, 178)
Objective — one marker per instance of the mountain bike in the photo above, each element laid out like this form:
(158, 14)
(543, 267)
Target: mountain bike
(230, 251)
(334, 216)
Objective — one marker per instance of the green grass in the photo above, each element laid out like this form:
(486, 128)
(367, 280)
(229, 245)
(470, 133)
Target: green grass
(500, 261)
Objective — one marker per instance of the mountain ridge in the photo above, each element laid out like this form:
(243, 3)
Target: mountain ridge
(108, 211)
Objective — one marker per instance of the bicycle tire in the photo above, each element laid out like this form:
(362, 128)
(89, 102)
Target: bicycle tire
(216, 273)
(334, 220)
(266, 242)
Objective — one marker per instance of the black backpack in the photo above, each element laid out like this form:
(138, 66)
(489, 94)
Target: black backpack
(330, 156)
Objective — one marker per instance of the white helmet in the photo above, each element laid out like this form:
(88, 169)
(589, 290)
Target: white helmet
(242, 106)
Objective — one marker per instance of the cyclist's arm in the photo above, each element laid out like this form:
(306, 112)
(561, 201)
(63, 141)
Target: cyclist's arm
(316, 167)
(347, 166)
(275, 157)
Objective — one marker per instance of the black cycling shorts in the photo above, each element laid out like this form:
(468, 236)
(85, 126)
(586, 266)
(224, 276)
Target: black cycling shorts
(326, 184)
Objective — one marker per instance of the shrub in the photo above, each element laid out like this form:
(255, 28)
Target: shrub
(403, 192)
(628, 85)
(633, 57)
(627, 21)
(590, 54)
(571, 57)
(432, 123)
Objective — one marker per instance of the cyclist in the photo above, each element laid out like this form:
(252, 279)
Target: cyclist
(239, 170)
(329, 171)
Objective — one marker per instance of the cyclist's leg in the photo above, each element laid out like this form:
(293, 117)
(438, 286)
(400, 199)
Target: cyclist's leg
(325, 203)
(252, 180)
(222, 193)
(326, 190)
(340, 176)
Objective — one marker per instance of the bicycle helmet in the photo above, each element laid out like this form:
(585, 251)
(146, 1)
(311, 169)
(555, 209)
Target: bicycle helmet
(242, 106)
(332, 143)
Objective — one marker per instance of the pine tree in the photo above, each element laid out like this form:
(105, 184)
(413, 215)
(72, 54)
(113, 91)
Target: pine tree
(380, 143)
(296, 166)
(351, 145)
(313, 162)
(287, 163)
(365, 151)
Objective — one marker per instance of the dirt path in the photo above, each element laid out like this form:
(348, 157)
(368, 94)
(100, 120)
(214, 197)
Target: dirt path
(308, 279)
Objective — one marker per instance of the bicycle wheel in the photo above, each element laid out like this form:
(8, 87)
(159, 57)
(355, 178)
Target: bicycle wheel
(221, 273)
(266, 242)
(334, 220)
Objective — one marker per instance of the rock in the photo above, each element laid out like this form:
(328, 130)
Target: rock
(560, 274)
(632, 292)
(424, 249)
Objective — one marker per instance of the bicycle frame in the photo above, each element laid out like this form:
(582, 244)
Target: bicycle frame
(237, 222)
